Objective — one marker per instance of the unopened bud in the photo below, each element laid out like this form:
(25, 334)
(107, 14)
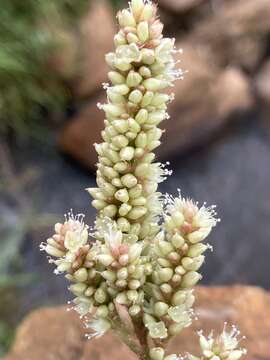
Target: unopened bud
(129, 180)
(156, 353)
(133, 79)
(190, 279)
(143, 31)
(160, 308)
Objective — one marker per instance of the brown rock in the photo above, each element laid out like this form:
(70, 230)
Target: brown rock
(96, 33)
(179, 6)
(235, 33)
(82, 132)
(205, 100)
(262, 83)
(55, 334)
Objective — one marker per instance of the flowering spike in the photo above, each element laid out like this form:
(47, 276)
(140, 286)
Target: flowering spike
(135, 271)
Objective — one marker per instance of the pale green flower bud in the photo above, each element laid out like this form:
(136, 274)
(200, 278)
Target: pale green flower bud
(132, 295)
(112, 110)
(117, 183)
(125, 18)
(122, 299)
(197, 236)
(53, 251)
(109, 172)
(109, 275)
(120, 125)
(142, 169)
(175, 329)
(137, 7)
(122, 89)
(121, 283)
(116, 78)
(135, 191)
(122, 274)
(148, 56)
(137, 212)
(141, 116)
(110, 211)
(161, 308)
(81, 275)
(153, 145)
(105, 259)
(134, 252)
(120, 141)
(122, 195)
(180, 270)
(121, 167)
(177, 240)
(100, 296)
(132, 38)
(129, 180)
(140, 201)
(143, 31)
(127, 153)
(139, 152)
(114, 97)
(179, 297)
(165, 247)
(165, 274)
(131, 135)
(157, 353)
(141, 140)
(133, 125)
(154, 84)
(113, 155)
(192, 263)
(147, 13)
(102, 311)
(160, 99)
(155, 117)
(145, 72)
(124, 209)
(133, 79)
(119, 39)
(147, 98)
(89, 291)
(78, 289)
(123, 224)
(134, 284)
(134, 310)
(135, 96)
(166, 288)
(164, 262)
(178, 218)
(190, 279)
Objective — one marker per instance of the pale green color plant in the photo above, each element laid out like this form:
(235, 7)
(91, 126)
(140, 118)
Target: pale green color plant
(135, 271)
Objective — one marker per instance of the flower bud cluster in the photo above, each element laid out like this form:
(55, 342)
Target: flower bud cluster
(137, 272)
(224, 347)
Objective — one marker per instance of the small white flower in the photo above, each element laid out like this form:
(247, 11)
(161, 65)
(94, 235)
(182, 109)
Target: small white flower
(157, 330)
(180, 315)
(75, 239)
(164, 50)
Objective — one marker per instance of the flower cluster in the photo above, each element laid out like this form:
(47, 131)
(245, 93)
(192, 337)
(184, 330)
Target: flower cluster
(136, 270)
(223, 347)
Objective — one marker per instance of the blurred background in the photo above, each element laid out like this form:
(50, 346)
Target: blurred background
(217, 140)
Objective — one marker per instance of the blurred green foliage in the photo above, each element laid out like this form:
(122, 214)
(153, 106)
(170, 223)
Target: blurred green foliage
(28, 35)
